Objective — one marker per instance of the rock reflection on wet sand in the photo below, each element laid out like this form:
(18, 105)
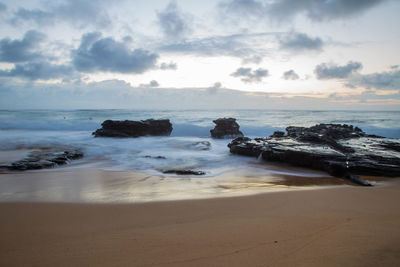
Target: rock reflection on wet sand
(95, 185)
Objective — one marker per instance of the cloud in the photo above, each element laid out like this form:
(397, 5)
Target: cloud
(290, 75)
(318, 10)
(389, 80)
(283, 10)
(244, 8)
(168, 66)
(248, 47)
(213, 89)
(247, 75)
(119, 94)
(173, 23)
(21, 50)
(332, 71)
(151, 84)
(78, 13)
(301, 42)
(106, 54)
(41, 70)
(3, 7)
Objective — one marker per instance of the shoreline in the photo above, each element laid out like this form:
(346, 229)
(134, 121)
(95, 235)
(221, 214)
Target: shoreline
(95, 185)
(351, 226)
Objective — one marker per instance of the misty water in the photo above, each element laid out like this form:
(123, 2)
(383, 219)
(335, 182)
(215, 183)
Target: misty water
(188, 147)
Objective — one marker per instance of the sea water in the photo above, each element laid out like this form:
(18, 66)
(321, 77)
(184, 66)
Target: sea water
(188, 147)
(131, 169)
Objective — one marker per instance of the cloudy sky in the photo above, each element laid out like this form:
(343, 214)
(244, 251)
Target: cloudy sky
(271, 54)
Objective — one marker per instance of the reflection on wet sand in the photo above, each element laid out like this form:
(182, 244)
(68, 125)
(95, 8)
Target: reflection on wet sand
(95, 185)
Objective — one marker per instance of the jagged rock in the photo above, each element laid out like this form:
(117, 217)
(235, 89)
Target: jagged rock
(184, 172)
(128, 128)
(278, 134)
(226, 128)
(340, 150)
(42, 159)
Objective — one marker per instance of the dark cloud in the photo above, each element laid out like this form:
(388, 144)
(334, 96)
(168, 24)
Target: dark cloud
(318, 10)
(168, 66)
(106, 54)
(300, 42)
(21, 50)
(40, 17)
(3, 7)
(332, 71)
(389, 80)
(247, 75)
(244, 8)
(290, 75)
(282, 10)
(40, 70)
(78, 13)
(173, 23)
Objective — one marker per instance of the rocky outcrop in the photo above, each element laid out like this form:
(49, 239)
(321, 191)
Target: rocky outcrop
(340, 150)
(183, 172)
(129, 128)
(42, 159)
(226, 128)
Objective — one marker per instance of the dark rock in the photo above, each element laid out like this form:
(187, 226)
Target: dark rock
(278, 134)
(155, 157)
(226, 128)
(128, 128)
(390, 146)
(42, 159)
(357, 180)
(341, 150)
(184, 172)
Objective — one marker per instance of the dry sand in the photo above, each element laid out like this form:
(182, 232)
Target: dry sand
(342, 226)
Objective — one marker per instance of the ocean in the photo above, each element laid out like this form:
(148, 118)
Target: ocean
(183, 149)
(106, 172)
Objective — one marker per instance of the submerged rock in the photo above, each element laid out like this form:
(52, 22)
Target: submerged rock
(201, 145)
(184, 172)
(226, 128)
(129, 128)
(155, 157)
(340, 150)
(42, 159)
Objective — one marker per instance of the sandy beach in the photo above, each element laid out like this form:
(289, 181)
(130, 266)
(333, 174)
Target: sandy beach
(338, 226)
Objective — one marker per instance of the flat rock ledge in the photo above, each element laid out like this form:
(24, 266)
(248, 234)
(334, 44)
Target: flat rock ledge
(340, 150)
(128, 128)
(44, 158)
(183, 172)
(226, 128)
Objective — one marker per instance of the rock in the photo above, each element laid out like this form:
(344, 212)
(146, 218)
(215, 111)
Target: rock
(128, 128)
(341, 150)
(42, 159)
(184, 172)
(278, 134)
(155, 157)
(201, 145)
(226, 128)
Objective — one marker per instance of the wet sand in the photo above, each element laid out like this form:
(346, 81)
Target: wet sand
(93, 185)
(339, 226)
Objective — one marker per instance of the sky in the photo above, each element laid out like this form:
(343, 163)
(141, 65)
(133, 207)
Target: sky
(187, 54)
